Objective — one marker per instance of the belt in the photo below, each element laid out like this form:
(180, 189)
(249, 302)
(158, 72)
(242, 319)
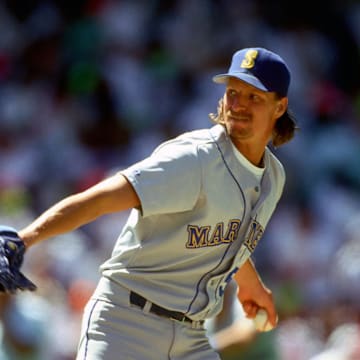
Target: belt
(138, 300)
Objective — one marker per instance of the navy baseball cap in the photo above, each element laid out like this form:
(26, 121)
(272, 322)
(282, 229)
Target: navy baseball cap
(259, 67)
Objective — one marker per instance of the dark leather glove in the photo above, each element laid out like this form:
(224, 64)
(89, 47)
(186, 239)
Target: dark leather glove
(12, 250)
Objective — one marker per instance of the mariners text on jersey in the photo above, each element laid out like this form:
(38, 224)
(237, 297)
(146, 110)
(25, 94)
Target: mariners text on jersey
(202, 236)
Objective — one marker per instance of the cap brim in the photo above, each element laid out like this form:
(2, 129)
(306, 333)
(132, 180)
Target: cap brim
(250, 79)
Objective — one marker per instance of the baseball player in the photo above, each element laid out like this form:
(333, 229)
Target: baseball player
(200, 204)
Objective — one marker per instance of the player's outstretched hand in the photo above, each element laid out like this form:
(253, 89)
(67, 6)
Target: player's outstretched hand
(12, 250)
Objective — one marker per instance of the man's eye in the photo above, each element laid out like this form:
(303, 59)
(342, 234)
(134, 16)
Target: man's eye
(232, 93)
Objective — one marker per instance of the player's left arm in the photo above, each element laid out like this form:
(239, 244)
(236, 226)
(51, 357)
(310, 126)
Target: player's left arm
(253, 294)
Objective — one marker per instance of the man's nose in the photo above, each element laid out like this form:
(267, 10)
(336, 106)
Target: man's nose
(239, 102)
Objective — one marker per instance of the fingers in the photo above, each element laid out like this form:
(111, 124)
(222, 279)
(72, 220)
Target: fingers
(272, 316)
(250, 309)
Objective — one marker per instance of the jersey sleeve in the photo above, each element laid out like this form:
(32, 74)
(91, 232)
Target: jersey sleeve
(168, 181)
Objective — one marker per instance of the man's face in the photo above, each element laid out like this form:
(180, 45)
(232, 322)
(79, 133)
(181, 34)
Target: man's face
(250, 114)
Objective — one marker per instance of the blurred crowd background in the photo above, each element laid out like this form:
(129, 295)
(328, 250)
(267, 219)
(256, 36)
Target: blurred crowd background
(88, 87)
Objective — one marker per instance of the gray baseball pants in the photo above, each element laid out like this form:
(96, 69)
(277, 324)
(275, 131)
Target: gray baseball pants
(114, 329)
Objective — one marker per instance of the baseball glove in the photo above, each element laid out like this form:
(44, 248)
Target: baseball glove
(12, 250)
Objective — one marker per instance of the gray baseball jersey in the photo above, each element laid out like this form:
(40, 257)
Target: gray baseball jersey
(198, 221)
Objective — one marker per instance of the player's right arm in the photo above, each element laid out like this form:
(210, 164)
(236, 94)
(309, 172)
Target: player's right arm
(111, 195)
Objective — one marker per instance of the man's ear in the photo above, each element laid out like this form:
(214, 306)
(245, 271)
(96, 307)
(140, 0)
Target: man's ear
(281, 106)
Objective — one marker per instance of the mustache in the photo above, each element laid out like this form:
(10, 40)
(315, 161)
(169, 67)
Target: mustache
(238, 115)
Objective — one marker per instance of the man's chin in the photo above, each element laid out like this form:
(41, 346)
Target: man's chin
(238, 130)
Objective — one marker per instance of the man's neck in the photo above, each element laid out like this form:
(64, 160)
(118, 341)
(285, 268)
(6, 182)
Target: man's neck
(254, 154)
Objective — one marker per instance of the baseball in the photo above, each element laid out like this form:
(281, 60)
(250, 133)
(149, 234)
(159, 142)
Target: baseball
(261, 321)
